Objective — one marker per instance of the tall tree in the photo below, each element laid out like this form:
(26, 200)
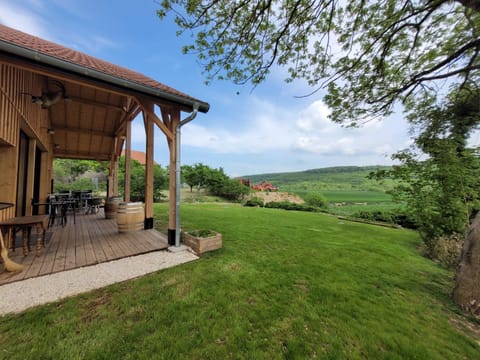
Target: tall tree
(137, 180)
(368, 54)
(196, 175)
(442, 191)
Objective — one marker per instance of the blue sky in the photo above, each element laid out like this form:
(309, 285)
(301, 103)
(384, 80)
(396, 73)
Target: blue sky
(245, 131)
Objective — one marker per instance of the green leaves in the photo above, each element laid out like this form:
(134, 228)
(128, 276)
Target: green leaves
(214, 180)
(440, 176)
(380, 52)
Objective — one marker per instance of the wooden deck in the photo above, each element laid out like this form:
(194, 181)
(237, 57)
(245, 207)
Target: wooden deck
(92, 240)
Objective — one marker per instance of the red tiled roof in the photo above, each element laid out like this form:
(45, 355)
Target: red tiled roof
(60, 52)
(140, 156)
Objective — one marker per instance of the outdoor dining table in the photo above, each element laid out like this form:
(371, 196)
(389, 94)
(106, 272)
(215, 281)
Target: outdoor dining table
(62, 205)
(59, 207)
(26, 223)
(93, 204)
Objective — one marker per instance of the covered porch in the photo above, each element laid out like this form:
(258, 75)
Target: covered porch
(92, 240)
(57, 102)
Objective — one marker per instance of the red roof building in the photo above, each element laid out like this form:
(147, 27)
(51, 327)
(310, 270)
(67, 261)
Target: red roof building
(139, 156)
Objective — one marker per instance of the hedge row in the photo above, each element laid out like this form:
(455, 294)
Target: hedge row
(390, 217)
(285, 205)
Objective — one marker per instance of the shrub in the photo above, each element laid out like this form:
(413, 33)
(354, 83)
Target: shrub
(254, 202)
(201, 233)
(229, 189)
(287, 205)
(405, 220)
(272, 205)
(316, 199)
(446, 250)
(391, 217)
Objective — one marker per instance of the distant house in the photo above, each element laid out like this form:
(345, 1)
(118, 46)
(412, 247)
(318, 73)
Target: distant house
(264, 186)
(139, 156)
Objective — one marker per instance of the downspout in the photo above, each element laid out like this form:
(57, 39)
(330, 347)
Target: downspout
(177, 171)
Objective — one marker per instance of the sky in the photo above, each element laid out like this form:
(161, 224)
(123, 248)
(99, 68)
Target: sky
(246, 131)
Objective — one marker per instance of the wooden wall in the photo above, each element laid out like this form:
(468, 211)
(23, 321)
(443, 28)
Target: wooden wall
(18, 113)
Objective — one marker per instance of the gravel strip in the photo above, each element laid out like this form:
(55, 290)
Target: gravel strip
(21, 295)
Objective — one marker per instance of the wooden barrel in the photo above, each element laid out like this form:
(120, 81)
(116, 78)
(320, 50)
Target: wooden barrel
(130, 216)
(111, 206)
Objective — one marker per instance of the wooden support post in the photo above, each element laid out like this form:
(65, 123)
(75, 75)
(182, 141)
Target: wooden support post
(45, 179)
(115, 176)
(174, 120)
(109, 184)
(128, 151)
(149, 131)
(32, 145)
(170, 118)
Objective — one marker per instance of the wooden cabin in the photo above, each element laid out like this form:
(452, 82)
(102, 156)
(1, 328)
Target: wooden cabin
(56, 102)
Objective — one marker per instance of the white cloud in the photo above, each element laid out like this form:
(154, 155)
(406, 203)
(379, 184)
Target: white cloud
(273, 129)
(256, 131)
(138, 133)
(92, 44)
(32, 19)
(315, 118)
(474, 140)
(24, 20)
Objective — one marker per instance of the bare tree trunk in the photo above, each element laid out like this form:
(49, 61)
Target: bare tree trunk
(467, 279)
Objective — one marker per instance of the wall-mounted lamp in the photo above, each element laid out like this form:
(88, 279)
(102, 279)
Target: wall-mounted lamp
(51, 131)
(49, 98)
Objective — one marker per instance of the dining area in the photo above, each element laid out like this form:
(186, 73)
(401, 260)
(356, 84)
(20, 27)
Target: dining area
(29, 232)
(61, 204)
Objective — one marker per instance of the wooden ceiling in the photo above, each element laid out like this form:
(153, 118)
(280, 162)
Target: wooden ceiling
(89, 122)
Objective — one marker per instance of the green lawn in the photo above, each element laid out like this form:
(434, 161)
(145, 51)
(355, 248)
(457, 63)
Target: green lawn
(356, 196)
(350, 209)
(286, 285)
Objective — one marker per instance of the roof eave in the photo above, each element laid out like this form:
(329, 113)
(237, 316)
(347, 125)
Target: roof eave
(99, 75)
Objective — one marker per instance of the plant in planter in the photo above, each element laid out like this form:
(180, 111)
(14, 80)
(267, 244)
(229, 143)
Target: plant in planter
(202, 241)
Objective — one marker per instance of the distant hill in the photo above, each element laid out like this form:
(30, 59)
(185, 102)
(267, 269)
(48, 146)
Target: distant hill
(330, 178)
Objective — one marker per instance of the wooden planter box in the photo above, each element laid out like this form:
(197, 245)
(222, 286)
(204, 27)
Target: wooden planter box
(203, 244)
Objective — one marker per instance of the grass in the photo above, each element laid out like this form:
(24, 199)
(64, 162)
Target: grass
(350, 196)
(350, 202)
(350, 209)
(195, 196)
(356, 196)
(286, 285)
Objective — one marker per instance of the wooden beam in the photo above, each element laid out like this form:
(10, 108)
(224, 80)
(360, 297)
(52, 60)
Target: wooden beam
(128, 150)
(59, 128)
(64, 75)
(114, 175)
(166, 116)
(118, 151)
(149, 132)
(94, 103)
(129, 116)
(70, 154)
(110, 180)
(148, 108)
